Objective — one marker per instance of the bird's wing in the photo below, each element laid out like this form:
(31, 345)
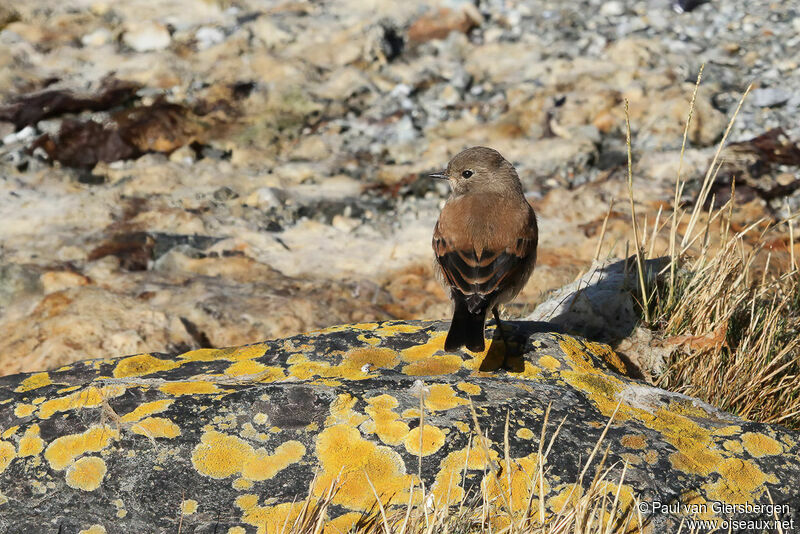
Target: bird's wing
(481, 276)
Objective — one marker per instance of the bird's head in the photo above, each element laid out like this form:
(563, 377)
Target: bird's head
(480, 170)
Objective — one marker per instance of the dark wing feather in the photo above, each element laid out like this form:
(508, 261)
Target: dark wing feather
(480, 278)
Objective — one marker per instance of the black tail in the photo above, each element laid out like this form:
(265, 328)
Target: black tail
(466, 329)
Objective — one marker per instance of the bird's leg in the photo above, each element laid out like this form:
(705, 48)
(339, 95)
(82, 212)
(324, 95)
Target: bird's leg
(500, 327)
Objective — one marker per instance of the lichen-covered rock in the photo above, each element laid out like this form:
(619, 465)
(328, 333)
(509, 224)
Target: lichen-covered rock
(219, 438)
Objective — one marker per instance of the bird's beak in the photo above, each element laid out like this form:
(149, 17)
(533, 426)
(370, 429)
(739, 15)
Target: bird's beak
(440, 175)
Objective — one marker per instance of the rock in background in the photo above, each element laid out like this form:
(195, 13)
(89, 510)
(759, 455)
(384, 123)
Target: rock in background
(204, 174)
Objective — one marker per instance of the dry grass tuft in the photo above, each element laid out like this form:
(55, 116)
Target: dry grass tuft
(728, 308)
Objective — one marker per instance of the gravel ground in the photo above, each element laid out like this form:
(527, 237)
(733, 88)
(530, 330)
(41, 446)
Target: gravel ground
(216, 173)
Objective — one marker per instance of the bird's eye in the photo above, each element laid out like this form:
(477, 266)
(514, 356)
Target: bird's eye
(466, 174)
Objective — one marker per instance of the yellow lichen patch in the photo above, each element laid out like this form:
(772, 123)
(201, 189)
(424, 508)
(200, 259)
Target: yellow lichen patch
(730, 430)
(34, 381)
(377, 357)
(148, 408)
(442, 397)
(524, 433)
(603, 389)
(142, 364)
(696, 452)
(462, 427)
(623, 494)
(10, 432)
(469, 389)
(268, 519)
(432, 440)
(385, 422)
(62, 451)
(24, 410)
(242, 484)
(529, 372)
(221, 455)
(249, 352)
(237, 530)
(443, 364)
(632, 459)
(426, 350)
(363, 326)
(563, 495)
(518, 494)
(759, 445)
(264, 373)
(204, 355)
(86, 473)
(740, 481)
(30, 444)
(195, 387)
(7, 453)
(263, 467)
(305, 369)
(67, 389)
(411, 413)
(607, 354)
(390, 329)
(688, 407)
(578, 354)
(370, 340)
(732, 446)
(341, 524)
(188, 507)
(156, 427)
(447, 486)
(87, 398)
(94, 529)
(548, 362)
(343, 453)
(342, 412)
(633, 441)
(245, 367)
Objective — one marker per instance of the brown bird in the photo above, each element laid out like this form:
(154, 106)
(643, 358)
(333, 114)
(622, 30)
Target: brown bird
(485, 241)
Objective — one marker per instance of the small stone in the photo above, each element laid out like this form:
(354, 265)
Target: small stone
(99, 37)
(146, 36)
(345, 224)
(53, 281)
(184, 155)
(768, 97)
(296, 173)
(269, 33)
(438, 24)
(266, 197)
(311, 148)
(23, 135)
(208, 36)
(612, 9)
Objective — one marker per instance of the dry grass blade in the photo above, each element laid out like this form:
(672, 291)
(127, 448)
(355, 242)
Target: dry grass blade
(636, 241)
(488, 457)
(679, 184)
(603, 230)
(709, 178)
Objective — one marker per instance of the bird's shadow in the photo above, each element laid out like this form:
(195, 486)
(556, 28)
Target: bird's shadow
(598, 307)
(507, 351)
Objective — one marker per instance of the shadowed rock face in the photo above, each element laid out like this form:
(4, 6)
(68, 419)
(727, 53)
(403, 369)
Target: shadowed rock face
(229, 437)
